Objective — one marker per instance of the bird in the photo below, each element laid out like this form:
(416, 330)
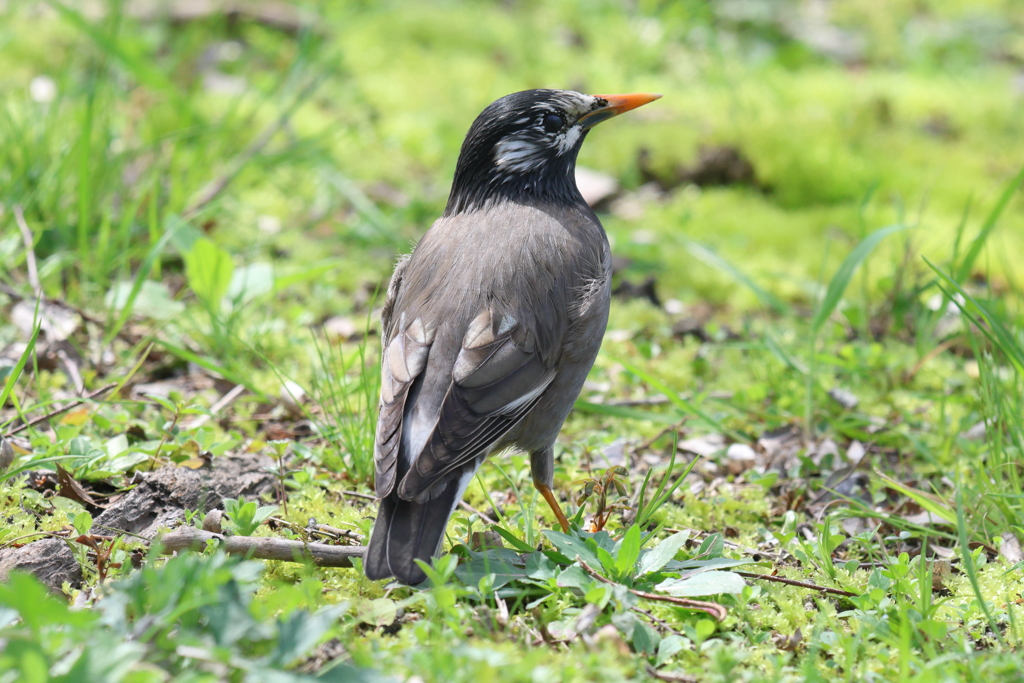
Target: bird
(491, 325)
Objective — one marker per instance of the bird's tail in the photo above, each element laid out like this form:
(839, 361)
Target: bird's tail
(406, 531)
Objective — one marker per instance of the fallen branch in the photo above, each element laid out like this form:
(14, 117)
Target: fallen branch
(190, 538)
(713, 608)
(800, 584)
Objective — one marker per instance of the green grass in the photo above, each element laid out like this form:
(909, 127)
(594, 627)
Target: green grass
(218, 230)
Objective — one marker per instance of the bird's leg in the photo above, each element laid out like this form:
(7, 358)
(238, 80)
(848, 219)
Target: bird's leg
(549, 496)
(542, 467)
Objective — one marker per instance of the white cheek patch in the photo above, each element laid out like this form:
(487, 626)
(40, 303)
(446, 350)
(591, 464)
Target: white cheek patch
(518, 154)
(567, 140)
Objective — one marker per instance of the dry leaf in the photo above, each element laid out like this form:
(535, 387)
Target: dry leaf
(69, 488)
(76, 417)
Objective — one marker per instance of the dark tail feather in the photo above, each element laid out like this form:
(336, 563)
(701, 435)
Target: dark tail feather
(406, 531)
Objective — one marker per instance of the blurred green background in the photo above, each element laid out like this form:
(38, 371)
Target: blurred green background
(853, 114)
(212, 195)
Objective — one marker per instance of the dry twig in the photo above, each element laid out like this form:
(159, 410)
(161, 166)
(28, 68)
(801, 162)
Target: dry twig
(800, 584)
(54, 413)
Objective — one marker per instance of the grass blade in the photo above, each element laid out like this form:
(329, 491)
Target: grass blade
(964, 269)
(626, 412)
(132, 60)
(842, 278)
(140, 278)
(993, 327)
(710, 257)
(684, 406)
(19, 367)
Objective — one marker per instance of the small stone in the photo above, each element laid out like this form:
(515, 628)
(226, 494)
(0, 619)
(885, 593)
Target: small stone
(611, 455)
(674, 307)
(6, 454)
(855, 453)
(706, 445)
(292, 397)
(341, 328)
(844, 398)
(976, 432)
(485, 540)
(741, 457)
(212, 522)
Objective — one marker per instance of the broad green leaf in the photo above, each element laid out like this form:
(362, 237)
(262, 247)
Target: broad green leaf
(82, 523)
(24, 594)
(576, 577)
(572, 547)
(504, 568)
(704, 583)
(663, 553)
(539, 567)
(209, 270)
(645, 638)
(378, 612)
(300, 631)
(669, 646)
(607, 562)
(629, 552)
(712, 546)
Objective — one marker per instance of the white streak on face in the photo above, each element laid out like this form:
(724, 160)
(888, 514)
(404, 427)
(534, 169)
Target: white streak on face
(567, 140)
(525, 150)
(518, 154)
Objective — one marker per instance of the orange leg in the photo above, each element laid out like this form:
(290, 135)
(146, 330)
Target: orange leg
(549, 496)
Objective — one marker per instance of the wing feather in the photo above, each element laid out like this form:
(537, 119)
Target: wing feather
(495, 383)
(406, 348)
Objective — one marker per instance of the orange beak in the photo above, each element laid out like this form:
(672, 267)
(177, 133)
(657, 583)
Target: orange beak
(615, 105)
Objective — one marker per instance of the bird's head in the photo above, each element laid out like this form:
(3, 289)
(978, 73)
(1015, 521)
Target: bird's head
(524, 146)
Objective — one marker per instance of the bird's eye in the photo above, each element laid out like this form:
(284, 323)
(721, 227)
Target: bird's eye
(553, 123)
